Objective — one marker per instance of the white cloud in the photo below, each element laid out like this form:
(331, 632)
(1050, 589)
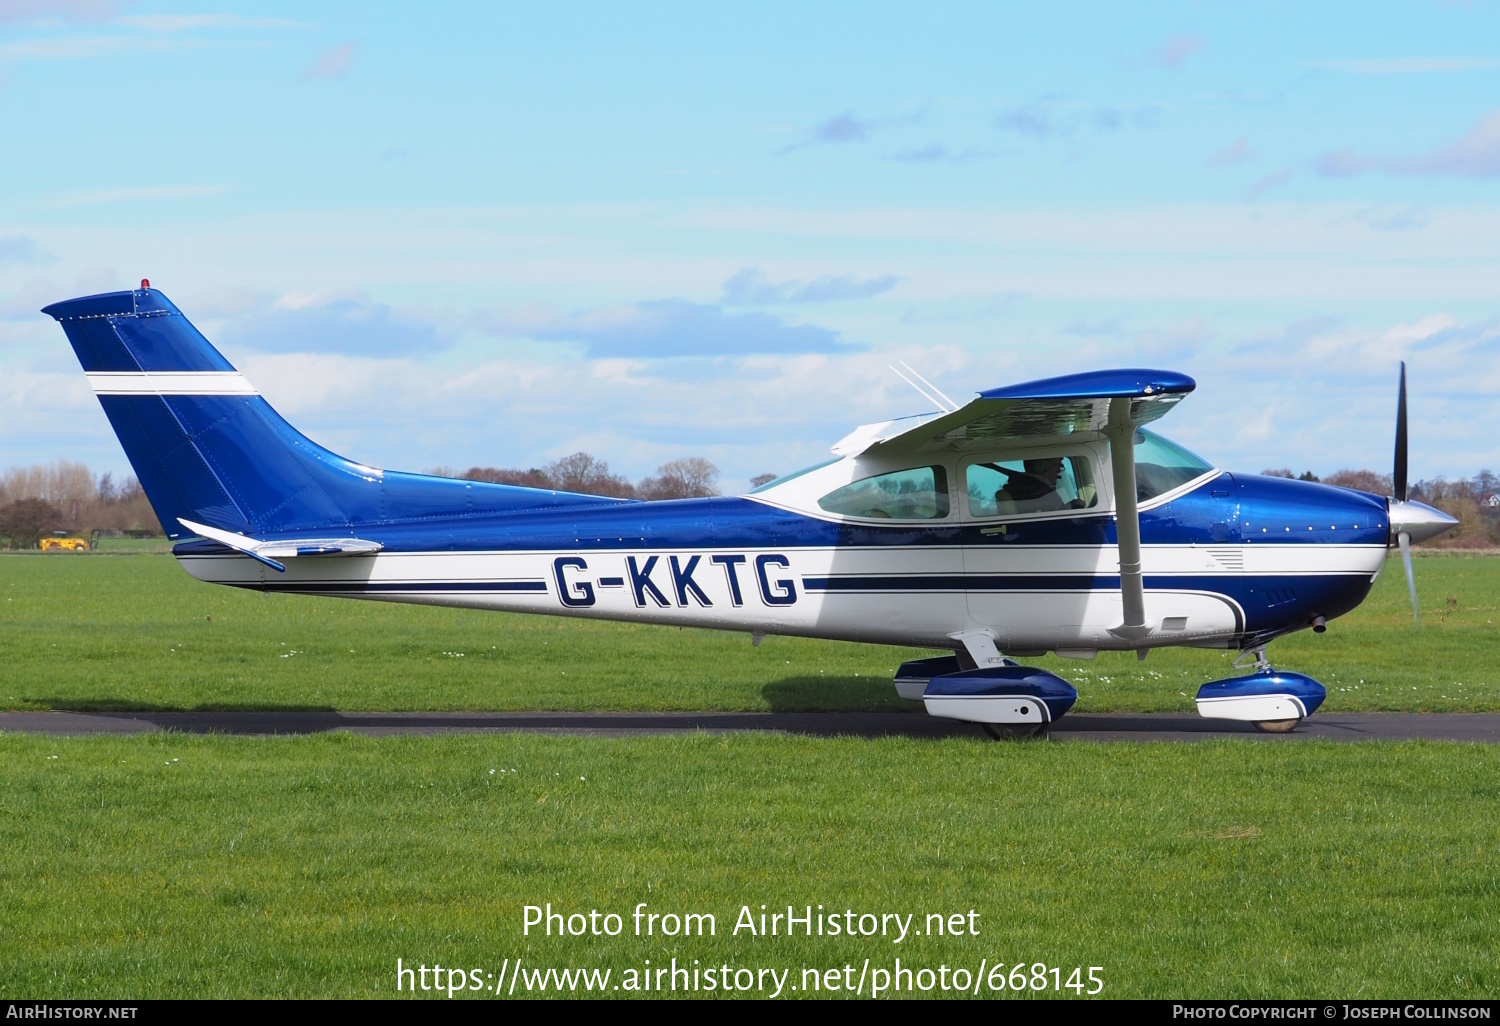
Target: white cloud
(1475, 154)
(139, 193)
(1053, 117)
(959, 309)
(1176, 50)
(1274, 180)
(334, 62)
(61, 48)
(1328, 403)
(1409, 65)
(849, 127)
(21, 249)
(188, 22)
(669, 328)
(332, 323)
(22, 11)
(939, 153)
(1235, 153)
(749, 286)
(1401, 219)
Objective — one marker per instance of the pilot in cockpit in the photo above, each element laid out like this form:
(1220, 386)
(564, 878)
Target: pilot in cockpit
(1035, 491)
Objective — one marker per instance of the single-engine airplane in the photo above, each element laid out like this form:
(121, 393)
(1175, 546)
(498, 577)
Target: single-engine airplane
(1036, 517)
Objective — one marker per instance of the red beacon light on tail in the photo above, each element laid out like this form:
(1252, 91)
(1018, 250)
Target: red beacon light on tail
(145, 283)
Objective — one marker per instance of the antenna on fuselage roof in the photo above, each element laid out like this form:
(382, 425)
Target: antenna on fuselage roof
(935, 397)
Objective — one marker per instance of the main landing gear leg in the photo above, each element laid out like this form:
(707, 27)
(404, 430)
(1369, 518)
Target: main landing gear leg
(1275, 701)
(1263, 665)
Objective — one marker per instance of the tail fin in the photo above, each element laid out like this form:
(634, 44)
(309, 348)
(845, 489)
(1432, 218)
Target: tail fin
(207, 448)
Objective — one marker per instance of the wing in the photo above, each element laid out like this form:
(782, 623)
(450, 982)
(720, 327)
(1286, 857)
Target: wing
(1067, 405)
(1111, 403)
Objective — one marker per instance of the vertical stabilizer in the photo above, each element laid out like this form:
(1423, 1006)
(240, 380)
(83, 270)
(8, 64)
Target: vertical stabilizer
(208, 448)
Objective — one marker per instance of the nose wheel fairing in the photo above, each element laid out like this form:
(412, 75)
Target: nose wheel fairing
(1268, 698)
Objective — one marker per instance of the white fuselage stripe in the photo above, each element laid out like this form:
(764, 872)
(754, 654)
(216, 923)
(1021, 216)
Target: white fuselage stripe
(170, 383)
(856, 594)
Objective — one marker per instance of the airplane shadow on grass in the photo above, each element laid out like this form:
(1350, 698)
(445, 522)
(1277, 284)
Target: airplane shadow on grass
(811, 705)
(134, 705)
(835, 694)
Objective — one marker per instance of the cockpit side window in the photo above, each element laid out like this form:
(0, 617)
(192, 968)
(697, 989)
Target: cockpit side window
(920, 493)
(1040, 484)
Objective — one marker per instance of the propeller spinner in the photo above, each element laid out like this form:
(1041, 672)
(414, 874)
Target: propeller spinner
(1410, 521)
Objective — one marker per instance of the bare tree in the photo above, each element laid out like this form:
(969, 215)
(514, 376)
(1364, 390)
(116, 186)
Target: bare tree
(533, 478)
(24, 521)
(82, 502)
(1362, 481)
(760, 479)
(581, 472)
(1283, 472)
(691, 477)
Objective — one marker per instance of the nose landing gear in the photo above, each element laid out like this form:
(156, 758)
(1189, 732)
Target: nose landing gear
(1274, 700)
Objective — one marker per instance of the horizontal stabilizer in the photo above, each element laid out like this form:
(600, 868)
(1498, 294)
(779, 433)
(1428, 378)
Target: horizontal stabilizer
(268, 552)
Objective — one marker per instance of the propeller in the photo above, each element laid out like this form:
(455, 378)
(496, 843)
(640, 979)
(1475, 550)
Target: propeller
(1399, 476)
(1410, 521)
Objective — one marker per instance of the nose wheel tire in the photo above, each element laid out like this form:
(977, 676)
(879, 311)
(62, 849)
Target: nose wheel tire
(1014, 731)
(1276, 726)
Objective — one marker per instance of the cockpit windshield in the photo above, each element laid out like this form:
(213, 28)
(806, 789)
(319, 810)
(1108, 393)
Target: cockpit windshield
(1161, 465)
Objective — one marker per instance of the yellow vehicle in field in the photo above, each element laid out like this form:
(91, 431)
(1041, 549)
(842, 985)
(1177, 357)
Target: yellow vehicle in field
(64, 545)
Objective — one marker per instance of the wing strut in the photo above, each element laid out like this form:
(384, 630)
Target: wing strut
(1121, 433)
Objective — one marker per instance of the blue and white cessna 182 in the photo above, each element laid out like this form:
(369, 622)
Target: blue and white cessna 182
(1037, 517)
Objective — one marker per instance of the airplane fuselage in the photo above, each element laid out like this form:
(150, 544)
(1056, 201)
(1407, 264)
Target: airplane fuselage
(1228, 561)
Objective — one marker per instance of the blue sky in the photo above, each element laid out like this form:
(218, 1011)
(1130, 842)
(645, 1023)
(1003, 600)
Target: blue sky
(497, 234)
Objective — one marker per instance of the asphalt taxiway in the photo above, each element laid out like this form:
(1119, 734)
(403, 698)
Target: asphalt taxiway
(1476, 727)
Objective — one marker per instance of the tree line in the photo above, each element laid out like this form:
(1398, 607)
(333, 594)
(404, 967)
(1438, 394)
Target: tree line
(691, 477)
(65, 496)
(37, 501)
(1466, 499)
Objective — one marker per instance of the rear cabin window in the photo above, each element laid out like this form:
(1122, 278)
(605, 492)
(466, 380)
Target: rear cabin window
(1041, 484)
(917, 494)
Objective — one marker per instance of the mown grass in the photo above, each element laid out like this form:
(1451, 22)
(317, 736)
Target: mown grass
(132, 546)
(174, 865)
(104, 632)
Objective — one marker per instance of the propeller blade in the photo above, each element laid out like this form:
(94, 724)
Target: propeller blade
(1399, 477)
(1404, 540)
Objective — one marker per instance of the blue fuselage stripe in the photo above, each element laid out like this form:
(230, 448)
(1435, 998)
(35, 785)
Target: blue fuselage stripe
(397, 587)
(1028, 582)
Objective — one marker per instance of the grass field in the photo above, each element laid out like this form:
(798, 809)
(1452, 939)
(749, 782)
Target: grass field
(97, 632)
(132, 546)
(179, 865)
(191, 866)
